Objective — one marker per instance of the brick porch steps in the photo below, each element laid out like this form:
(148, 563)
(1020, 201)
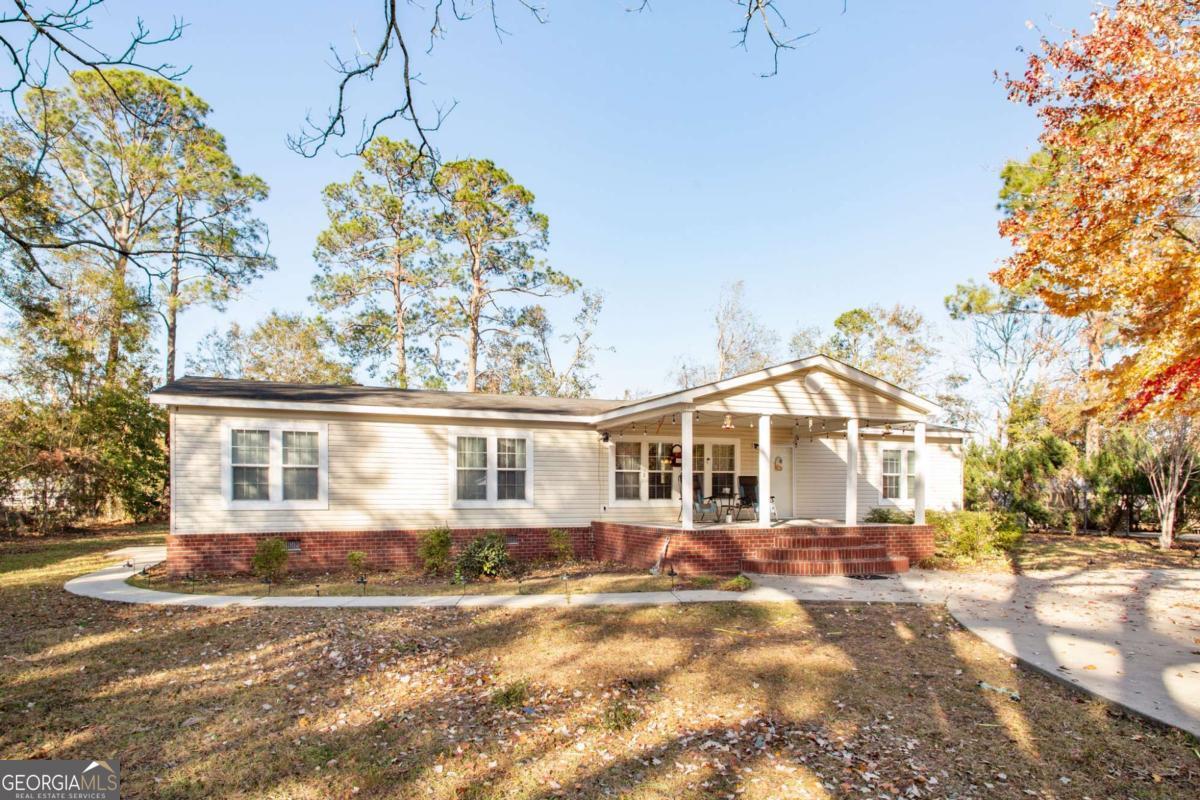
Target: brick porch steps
(822, 554)
(887, 565)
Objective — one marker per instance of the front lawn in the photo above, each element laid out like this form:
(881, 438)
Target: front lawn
(575, 578)
(1061, 551)
(720, 701)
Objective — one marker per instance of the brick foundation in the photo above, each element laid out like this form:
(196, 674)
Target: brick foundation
(718, 551)
(721, 551)
(222, 553)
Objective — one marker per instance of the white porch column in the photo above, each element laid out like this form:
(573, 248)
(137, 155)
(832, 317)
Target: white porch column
(686, 490)
(764, 471)
(851, 471)
(919, 482)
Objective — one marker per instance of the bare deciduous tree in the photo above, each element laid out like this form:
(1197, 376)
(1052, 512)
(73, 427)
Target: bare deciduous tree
(1170, 462)
(742, 343)
(396, 43)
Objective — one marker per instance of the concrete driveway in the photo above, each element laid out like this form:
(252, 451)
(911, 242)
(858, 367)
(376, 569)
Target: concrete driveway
(1129, 636)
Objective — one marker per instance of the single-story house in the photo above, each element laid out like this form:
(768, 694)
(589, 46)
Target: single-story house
(672, 479)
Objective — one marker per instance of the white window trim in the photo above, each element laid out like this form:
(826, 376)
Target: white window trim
(491, 435)
(643, 500)
(275, 429)
(904, 500)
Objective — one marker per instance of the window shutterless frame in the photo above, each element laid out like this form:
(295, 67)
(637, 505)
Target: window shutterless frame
(509, 459)
(275, 466)
(727, 452)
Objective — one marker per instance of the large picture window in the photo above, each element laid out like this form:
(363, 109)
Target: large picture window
(644, 471)
(490, 468)
(274, 464)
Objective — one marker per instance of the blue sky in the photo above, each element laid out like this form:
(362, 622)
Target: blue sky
(864, 172)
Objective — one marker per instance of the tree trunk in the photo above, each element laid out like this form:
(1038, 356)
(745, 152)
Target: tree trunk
(474, 312)
(116, 319)
(401, 329)
(1095, 360)
(1166, 534)
(173, 295)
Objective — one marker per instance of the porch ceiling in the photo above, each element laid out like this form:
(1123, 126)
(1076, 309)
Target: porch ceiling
(802, 425)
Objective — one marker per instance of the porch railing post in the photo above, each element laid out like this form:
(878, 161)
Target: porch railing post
(919, 478)
(764, 471)
(686, 489)
(851, 471)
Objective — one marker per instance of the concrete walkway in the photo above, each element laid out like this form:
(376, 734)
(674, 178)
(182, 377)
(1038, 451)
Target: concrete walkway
(1129, 636)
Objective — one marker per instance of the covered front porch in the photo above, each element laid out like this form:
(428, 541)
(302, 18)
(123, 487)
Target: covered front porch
(694, 468)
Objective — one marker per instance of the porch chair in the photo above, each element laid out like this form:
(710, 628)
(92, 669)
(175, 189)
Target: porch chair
(747, 498)
(700, 505)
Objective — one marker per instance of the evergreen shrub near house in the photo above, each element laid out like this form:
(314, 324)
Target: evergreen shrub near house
(971, 535)
(560, 545)
(356, 560)
(890, 516)
(434, 550)
(485, 557)
(270, 559)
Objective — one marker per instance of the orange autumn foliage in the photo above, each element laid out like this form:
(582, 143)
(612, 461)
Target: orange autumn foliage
(1115, 226)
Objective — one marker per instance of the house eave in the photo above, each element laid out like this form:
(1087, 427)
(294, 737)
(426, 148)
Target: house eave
(186, 400)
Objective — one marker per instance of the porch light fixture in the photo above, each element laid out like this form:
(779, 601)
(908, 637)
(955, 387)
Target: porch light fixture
(727, 424)
(604, 437)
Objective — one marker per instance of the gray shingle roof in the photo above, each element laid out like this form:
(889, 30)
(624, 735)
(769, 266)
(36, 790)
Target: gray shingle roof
(355, 394)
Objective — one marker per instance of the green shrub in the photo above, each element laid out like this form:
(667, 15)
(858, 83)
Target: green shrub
(739, 584)
(270, 559)
(434, 550)
(971, 535)
(560, 545)
(486, 556)
(890, 516)
(356, 560)
(510, 695)
(618, 716)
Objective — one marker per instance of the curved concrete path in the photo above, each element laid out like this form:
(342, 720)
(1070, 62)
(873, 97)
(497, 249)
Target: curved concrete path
(1129, 636)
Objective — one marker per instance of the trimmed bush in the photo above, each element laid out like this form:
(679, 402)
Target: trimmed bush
(618, 716)
(434, 550)
(510, 695)
(890, 516)
(356, 560)
(485, 557)
(739, 584)
(560, 545)
(970, 535)
(270, 559)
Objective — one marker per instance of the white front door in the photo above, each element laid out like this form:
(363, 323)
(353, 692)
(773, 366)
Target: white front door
(781, 479)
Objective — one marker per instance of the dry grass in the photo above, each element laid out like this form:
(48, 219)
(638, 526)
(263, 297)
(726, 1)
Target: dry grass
(1061, 551)
(574, 578)
(721, 701)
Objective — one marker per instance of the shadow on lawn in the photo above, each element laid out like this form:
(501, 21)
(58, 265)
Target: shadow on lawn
(763, 699)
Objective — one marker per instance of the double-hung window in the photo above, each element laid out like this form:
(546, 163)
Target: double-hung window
(659, 474)
(472, 470)
(250, 459)
(274, 464)
(491, 468)
(511, 465)
(724, 469)
(899, 474)
(628, 471)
